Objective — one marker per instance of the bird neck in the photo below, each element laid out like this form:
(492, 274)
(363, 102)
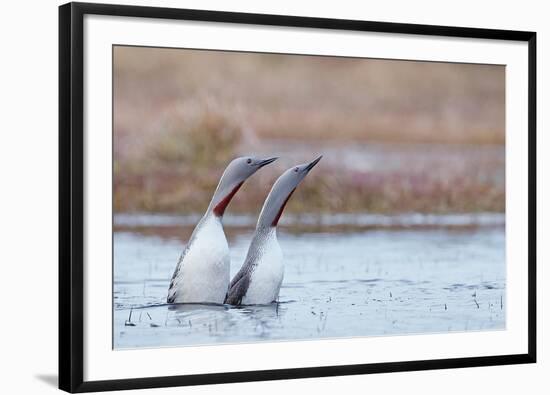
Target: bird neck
(222, 197)
(273, 209)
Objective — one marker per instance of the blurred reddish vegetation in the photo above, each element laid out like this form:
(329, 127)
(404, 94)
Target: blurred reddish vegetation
(397, 136)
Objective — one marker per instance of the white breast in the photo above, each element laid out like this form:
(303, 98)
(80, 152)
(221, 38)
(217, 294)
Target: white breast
(204, 271)
(267, 277)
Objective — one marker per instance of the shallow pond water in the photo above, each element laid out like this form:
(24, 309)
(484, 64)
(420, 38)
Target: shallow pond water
(338, 284)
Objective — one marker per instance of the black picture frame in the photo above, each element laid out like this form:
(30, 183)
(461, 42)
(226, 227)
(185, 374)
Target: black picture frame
(71, 198)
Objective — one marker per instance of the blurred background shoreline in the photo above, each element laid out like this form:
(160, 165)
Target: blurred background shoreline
(397, 136)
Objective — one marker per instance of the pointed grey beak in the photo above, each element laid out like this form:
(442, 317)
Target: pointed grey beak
(265, 162)
(312, 164)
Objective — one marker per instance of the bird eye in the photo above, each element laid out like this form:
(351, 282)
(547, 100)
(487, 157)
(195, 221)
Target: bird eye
(249, 161)
(296, 170)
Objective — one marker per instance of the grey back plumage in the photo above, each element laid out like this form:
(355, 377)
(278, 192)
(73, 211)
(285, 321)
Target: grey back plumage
(240, 283)
(238, 290)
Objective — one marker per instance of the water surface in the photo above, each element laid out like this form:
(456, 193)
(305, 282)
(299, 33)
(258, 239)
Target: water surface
(363, 282)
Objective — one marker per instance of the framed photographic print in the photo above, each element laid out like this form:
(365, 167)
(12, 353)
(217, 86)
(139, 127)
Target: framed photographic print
(253, 197)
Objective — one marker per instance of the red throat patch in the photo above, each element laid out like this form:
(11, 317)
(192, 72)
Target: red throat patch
(278, 216)
(221, 206)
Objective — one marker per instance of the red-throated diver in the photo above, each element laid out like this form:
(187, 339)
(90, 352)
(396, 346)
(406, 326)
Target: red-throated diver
(202, 272)
(259, 279)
